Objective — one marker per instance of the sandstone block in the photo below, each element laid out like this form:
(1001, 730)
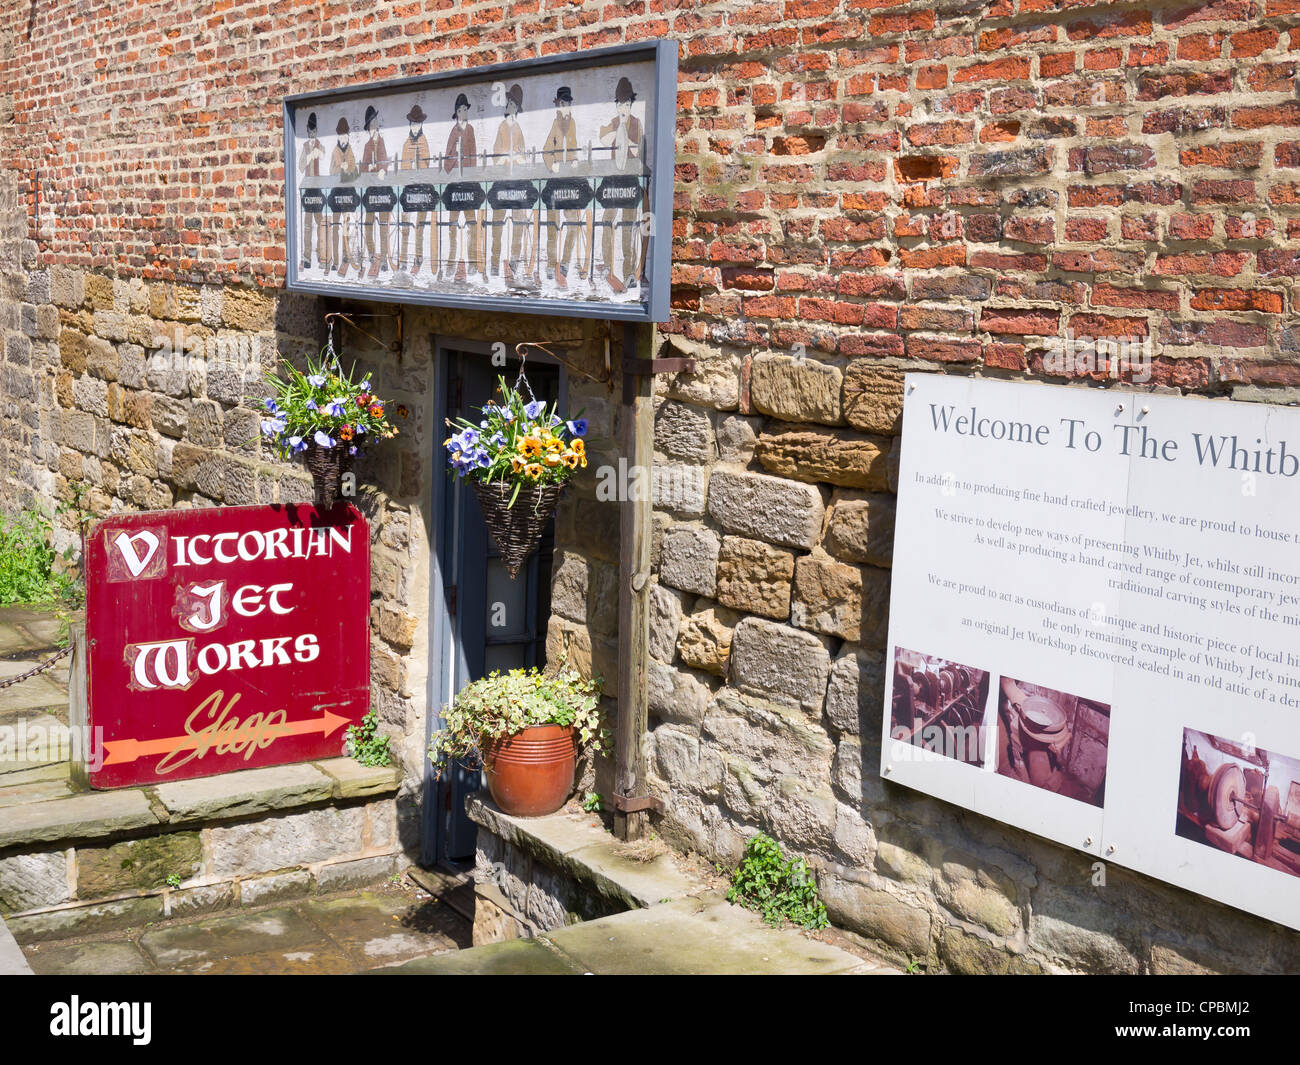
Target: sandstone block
(807, 453)
(796, 389)
(860, 527)
(769, 658)
(755, 577)
(689, 559)
(873, 397)
(762, 507)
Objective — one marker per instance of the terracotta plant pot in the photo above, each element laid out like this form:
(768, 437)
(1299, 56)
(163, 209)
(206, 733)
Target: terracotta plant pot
(531, 773)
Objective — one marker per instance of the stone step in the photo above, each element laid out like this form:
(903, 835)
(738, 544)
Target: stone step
(704, 935)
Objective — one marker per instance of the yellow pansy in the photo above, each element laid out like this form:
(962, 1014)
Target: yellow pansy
(533, 470)
(579, 447)
(531, 446)
(516, 464)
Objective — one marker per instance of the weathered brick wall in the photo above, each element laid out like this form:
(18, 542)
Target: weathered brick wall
(862, 188)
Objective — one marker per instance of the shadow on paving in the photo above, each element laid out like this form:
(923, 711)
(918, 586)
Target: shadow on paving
(336, 935)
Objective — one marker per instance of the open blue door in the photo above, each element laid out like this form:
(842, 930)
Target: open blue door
(483, 620)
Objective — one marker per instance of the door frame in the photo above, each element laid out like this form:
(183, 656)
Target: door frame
(446, 657)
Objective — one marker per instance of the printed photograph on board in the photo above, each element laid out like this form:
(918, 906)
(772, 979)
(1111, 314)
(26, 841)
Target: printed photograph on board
(518, 185)
(1240, 800)
(1053, 740)
(938, 704)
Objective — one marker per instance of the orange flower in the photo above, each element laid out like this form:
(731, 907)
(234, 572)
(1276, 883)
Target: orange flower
(516, 464)
(578, 447)
(570, 460)
(376, 411)
(533, 470)
(345, 432)
(530, 446)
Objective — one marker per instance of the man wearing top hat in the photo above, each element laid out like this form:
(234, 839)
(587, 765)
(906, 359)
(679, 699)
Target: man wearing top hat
(561, 150)
(458, 158)
(343, 165)
(309, 160)
(374, 160)
(623, 134)
(416, 156)
(507, 152)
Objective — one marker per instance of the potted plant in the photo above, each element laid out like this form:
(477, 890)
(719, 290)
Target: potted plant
(518, 456)
(524, 728)
(326, 416)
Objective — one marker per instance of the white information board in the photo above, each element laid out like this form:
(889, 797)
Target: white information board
(1093, 626)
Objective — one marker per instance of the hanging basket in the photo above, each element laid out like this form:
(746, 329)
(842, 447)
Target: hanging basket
(518, 529)
(327, 465)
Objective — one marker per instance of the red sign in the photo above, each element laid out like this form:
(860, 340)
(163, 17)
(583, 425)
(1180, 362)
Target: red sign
(225, 639)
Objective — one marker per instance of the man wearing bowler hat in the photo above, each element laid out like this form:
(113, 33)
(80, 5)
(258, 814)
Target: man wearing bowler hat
(374, 160)
(309, 160)
(624, 136)
(343, 166)
(562, 150)
(507, 152)
(415, 156)
(458, 158)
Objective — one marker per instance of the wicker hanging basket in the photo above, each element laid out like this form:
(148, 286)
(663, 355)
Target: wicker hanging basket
(518, 529)
(327, 465)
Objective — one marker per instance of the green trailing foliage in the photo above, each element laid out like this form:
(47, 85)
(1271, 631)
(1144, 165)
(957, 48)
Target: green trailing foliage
(775, 887)
(27, 563)
(367, 745)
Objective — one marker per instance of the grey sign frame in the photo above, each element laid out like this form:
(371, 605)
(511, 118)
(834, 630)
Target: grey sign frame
(653, 308)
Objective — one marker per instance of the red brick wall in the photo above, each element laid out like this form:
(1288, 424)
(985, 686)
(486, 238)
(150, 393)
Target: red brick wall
(943, 181)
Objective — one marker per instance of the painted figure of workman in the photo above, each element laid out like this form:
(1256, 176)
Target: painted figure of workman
(563, 227)
(416, 156)
(624, 135)
(374, 160)
(343, 166)
(459, 158)
(508, 151)
(309, 165)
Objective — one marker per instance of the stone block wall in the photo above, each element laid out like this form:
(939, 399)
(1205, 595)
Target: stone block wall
(862, 188)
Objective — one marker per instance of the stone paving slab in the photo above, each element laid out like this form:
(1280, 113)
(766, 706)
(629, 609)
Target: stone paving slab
(341, 934)
(12, 962)
(77, 817)
(704, 936)
(13, 774)
(27, 632)
(35, 693)
(34, 791)
(88, 959)
(205, 942)
(518, 957)
(245, 792)
(384, 930)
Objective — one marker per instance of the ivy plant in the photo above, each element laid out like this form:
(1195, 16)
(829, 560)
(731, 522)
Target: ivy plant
(367, 744)
(777, 888)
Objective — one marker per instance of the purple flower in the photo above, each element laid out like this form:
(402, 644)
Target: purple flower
(360, 428)
(297, 444)
(271, 426)
(334, 408)
(316, 380)
(272, 406)
(352, 449)
(311, 404)
(535, 408)
(578, 427)
(322, 439)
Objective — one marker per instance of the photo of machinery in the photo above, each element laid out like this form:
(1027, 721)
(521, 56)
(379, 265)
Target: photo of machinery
(1241, 800)
(1053, 740)
(938, 704)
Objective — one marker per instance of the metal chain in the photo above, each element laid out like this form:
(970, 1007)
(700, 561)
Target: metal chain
(47, 664)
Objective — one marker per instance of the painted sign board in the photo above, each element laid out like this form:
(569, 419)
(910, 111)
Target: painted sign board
(1093, 621)
(543, 186)
(225, 638)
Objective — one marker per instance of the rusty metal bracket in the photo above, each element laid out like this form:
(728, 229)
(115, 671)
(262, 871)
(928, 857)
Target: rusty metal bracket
(634, 368)
(630, 804)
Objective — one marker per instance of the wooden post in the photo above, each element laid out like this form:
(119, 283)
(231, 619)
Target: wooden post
(637, 446)
(79, 704)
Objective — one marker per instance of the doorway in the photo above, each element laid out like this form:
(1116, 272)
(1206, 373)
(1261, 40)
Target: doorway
(480, 619)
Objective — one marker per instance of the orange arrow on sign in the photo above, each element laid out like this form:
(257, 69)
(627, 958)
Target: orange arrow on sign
(119, 751)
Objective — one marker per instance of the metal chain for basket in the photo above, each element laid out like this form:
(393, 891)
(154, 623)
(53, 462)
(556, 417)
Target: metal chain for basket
(47, 664)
